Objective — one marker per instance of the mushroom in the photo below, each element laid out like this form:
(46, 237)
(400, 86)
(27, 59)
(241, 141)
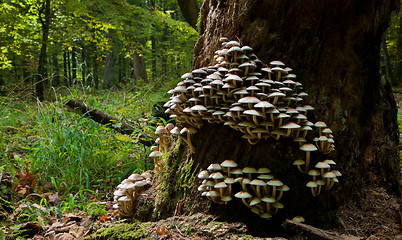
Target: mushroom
(228, 164)
(188, 131)
(243, 196)
(308, 147)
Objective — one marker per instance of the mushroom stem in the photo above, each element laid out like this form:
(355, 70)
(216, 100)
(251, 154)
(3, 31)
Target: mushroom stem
(307, 161)
(245, 202)
(301, 170)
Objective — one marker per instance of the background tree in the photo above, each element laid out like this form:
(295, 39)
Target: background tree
(333, 47)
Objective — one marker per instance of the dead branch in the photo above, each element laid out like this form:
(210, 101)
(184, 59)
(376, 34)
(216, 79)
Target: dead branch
(103, 118)
(313, 232)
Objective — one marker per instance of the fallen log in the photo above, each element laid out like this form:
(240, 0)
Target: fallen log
(314, 233)
(103, 118)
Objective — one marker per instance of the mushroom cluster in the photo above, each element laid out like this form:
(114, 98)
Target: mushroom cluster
(260, 101)
(128, 190)
(164, 133)
(240, 92)
(260, 192)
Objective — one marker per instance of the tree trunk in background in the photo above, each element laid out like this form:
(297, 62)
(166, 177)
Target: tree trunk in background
(190, 10)
(65, 71)
(95, 72)
(153, 48)
(74, 65)
(333, 47)
(70, 82)
(139, 69)
(108, 76)
(83, 66)
(45, 25)
(56, 70)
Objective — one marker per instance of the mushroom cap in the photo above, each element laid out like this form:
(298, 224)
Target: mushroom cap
(322, 165)
(154, 148)
(284, 188)
(290, 125)
(229, 180)
(135, 177)
(255, 201)
(249, 99)
(275, 182)
(243, 194)
(146, 175)
(314, 172)
(268, 199)
(202, 188)
(226, 198)
(298, 162)
(236, 171)
(320, 124)
(329, 175)
(249, 170)
(229, 163)
(298, 219)
(124, 199)
(216, 175)
(220, 185)
(141, 183)
(155, 154)
(278, 205)
(214, 167)
(160, 130)
(308, 147)
(258, 182)
(330, 162)
(263, 170)
(119, 193)
(266, 176)
(312, 184)
(204, 174)
(198, 108)
(212, 194)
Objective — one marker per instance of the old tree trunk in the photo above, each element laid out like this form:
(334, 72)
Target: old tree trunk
(333, 48)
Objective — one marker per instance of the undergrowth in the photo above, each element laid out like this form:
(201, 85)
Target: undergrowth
(70, 154)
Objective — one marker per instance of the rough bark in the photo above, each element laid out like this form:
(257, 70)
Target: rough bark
(190, 10)
(387, 63)
(108, 76)
(44, 19)
(334, 48)
(139, 69)
(398, 65)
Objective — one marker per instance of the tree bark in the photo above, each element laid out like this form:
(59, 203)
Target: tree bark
(334, 48)
(190, 10)
(139, 68)
(45, 25)
(56, 70)
(65, 71)
(108, 77)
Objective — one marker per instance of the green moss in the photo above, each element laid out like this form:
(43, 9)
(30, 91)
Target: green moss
(94, 209)
(121, 231)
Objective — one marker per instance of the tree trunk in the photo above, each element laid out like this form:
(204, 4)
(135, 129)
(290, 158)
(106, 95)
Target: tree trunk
(83, 66)
(74, 65)
(95, 68)
(139, 69)
(42, 73)
(56, 70)
(65, 71)
(70, 82)
(333, 47)
(108, 77)
(190, 10)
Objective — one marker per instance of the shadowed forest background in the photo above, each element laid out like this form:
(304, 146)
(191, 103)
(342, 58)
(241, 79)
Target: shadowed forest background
(120, 57)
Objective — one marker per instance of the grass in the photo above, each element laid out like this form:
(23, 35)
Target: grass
(70, 154)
